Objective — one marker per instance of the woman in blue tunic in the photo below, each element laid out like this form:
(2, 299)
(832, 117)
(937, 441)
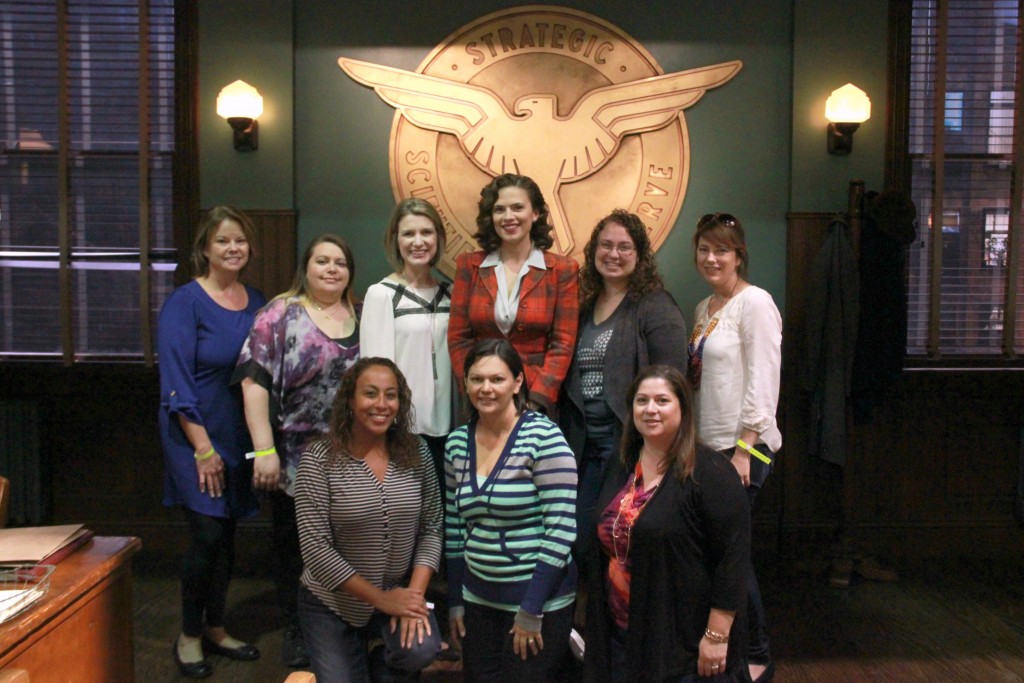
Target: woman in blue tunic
(201, 330)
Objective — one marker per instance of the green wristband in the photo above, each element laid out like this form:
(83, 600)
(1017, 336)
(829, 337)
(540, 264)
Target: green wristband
(754, 452)
(262, 453)
(205, 456)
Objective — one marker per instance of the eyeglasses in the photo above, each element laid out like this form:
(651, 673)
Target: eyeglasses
(624, 248)
(723, 218)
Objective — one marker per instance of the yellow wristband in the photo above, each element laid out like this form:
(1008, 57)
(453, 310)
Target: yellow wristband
(205, 456)
(754, 452)
(261, 453)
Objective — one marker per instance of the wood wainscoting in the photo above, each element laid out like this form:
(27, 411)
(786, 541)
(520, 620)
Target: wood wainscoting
(934, 472)
(273, 268)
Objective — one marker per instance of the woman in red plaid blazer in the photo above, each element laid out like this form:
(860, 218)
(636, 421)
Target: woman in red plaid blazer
(516, 289)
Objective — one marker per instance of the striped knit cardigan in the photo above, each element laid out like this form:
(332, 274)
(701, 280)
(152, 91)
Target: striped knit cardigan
(508, 537)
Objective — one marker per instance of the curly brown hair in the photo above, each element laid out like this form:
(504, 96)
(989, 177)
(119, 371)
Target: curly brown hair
(540, 232)
(643, 280)
(403, 445)
(682, 454)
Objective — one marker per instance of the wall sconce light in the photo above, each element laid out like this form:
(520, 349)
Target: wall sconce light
(241, 104)
(846, 109)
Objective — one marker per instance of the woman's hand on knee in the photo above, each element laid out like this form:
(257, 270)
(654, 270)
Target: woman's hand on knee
(413, 630)
(404, 602)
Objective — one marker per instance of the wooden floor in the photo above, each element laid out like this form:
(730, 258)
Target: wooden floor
(955, 620)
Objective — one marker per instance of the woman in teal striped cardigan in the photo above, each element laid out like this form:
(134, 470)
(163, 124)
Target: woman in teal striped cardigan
(509, 526)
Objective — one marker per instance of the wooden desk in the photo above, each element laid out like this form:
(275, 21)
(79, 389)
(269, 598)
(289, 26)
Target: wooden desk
(81, 630)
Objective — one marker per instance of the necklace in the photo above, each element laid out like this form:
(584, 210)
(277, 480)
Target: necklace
(435, 304)
(695, 351)
(628, 514)
(324, 309)
(431, 306)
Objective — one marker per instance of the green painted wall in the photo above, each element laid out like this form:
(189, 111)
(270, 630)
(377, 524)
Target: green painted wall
(836, 43)
(757, 145)
(251, 41)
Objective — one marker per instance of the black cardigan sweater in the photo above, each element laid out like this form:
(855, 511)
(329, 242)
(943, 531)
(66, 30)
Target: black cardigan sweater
(690, 552)
(648, 331)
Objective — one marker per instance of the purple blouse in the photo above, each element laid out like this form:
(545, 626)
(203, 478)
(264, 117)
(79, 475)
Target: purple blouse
(301, 369)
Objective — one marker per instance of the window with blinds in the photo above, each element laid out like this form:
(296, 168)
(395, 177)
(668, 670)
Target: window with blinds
(86, 143)
(965, 281)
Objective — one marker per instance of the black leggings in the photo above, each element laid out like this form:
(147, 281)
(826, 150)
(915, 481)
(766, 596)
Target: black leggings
(287, 557)
(206, 571)
(487, 655)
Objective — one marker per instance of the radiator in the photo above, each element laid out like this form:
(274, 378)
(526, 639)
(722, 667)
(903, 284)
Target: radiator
(21, 461)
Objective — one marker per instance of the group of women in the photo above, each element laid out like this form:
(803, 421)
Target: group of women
(582, 457)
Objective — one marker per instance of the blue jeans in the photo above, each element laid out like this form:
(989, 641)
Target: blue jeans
(338, 650)
(596, 453)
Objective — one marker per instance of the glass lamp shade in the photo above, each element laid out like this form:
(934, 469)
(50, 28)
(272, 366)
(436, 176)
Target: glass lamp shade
(848, 104)
(239, 100)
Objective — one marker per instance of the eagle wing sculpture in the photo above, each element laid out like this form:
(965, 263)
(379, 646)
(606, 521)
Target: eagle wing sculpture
(532, 138)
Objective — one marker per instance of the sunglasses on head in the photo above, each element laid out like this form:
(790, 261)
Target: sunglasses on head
(723, 218)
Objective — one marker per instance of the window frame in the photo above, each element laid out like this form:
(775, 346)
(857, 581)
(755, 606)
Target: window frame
(184, 189)
(898, 168)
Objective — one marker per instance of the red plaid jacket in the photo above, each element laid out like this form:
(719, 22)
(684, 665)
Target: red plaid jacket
(544, 332)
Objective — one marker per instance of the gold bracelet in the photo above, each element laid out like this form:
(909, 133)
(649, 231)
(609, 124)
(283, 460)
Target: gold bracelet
(720, 638)
(204, 456)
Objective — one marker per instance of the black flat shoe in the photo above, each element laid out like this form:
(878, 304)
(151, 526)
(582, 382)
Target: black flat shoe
(191, 669)
(243, 653)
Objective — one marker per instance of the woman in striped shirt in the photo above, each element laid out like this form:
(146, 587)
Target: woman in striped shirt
(509, 526)
(369, 516)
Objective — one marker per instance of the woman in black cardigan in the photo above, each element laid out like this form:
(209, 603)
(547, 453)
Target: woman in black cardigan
(673, 543)
(627, 322)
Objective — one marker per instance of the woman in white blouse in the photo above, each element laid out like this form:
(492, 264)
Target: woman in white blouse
(735, 359)
(405, 319)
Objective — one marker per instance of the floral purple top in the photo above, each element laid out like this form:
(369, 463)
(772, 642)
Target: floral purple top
(301, 369)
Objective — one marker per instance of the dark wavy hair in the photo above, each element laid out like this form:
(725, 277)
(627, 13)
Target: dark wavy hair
(300, 287)
(403, 444)
(682, 454)
(486, 235)
(413, 206)
(725, 230)
(208, 229)
(501, 348)
(643, 280)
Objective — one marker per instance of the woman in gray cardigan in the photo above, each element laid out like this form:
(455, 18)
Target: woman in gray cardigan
(627, 322)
